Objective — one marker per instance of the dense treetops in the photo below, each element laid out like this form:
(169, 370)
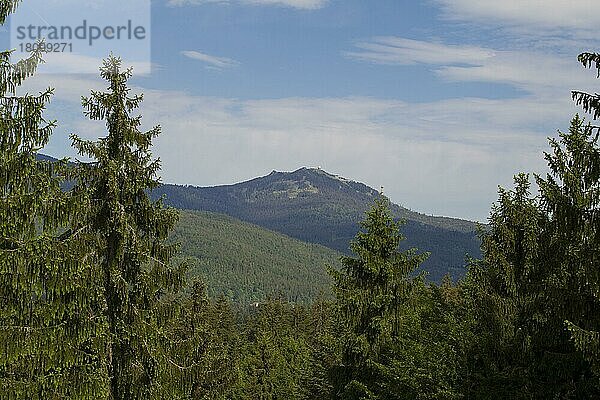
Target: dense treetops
(247, 263)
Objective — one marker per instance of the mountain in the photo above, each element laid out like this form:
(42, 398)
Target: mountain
(314, 206)
(246, 263)
(317, 207)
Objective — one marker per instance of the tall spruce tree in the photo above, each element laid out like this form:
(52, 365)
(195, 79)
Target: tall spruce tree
(50, 337)
(129, 233)
(569, 196)
(503, 291)
(540, 269)
(373, 291)
(324, 331)
(577, 203)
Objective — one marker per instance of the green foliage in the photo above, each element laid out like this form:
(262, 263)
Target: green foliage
(202, 348)
(7, 7)
(577, 165)
(427, 357)
(92, 306)
(571, 194)
(540, 269)
(377, 298)
(402, 339)
(50, 336)
(589, 102)
(324, 332)
(540, 259)
(504, 290)
(371, 287)
(277, 356)
(247, 263)
(127, 237)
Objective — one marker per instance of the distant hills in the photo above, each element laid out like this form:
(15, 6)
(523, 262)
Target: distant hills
(247, 263)
(317, 207)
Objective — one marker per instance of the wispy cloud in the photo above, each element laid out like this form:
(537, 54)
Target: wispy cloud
(402, 51)
(531, 71)
(441, 157)
(210, 61)
(570, 17)
(297, 4)
(177, 3)
(535, 73)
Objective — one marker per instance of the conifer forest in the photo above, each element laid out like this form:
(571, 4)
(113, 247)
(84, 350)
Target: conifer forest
(97, 302)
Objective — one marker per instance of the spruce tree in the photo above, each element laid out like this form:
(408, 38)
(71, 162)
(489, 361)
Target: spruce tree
(577, 202)
(50, 337)
(569, 196)
(374, 291)
(540, 269)
(324, 332)
(129, 234)
(503, 290)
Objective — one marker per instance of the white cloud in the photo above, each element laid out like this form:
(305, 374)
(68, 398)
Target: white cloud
(297, 4)
(402, 51)
(212, 61)
(538, 73)
(576, 17)
(195, 2)
(442, 157)
(531, 71)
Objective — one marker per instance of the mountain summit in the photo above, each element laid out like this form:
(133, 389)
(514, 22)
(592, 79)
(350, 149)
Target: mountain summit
(318, 207)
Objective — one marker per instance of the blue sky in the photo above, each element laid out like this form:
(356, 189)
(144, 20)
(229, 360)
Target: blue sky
(275, 51)
(438, 101)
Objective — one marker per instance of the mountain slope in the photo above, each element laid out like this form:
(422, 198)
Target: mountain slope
(247, 263)
(317, 207)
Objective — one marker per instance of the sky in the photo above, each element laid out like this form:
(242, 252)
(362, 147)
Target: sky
(436, 101)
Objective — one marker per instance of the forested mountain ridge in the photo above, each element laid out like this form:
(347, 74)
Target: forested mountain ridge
(317, 207)
(247, 263)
